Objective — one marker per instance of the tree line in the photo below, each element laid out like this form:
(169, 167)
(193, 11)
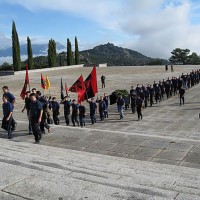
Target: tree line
(53, 59)
(183, 57)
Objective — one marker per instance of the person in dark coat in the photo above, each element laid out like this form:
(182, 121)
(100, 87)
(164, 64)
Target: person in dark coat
(67, 108)
(106, 99)
(133, 102)
(44, 103)
(102, 108)
(56, 112)
(181, 95)
(139, 104)
(7, 116)
(146, 97)
(27, 107)
(75, 112)
(151, 95)
(36, 111)
(120, 106)
(93, 108)
(12, 100)
(157, 93)
(103, 80)
(82, 112)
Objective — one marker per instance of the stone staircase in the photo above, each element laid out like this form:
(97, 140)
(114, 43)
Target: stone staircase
(30, 171)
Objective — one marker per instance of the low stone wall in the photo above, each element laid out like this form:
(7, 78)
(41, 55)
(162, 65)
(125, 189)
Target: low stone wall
(103, 65)
(50, 69)
(7, 73)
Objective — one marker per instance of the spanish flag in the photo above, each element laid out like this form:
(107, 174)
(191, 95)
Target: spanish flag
(47, 83)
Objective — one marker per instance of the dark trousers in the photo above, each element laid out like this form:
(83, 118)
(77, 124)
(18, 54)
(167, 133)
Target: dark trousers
(151, 100)
(67, 116)
(145, 102)
(36, 129)
(139, 112)
(182, 99)
(103, 85)
(157, 95)
(74, 119)
(43, 125)
(106, 113)
(167, 93)
(82, 120)
(133, 107)
(101, 114)
(10, 121)
(55, 117)
(175, 91)
(92, 117)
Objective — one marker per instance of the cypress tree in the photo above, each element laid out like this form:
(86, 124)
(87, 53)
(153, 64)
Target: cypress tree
(15, 49)
(69, 52)
(30, 54)
(77, 58)
(52, 53)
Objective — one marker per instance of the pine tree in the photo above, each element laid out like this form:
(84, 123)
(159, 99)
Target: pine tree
(15, 49)
(30, 54)
(52, 53)
(77, 58)
(69, 52)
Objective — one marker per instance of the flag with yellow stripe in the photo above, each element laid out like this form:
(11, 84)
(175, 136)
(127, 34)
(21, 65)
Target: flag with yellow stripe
(48, 84)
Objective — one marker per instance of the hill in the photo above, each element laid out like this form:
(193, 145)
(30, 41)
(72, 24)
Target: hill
(117, 56)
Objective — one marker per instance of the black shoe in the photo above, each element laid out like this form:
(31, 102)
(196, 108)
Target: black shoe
(37, 142)
(30, 133)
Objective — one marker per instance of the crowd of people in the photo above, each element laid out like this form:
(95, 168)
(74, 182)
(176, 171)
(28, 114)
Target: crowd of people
(42, 111)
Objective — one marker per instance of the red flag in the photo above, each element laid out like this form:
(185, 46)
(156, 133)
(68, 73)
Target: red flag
(27, 77)
(43, 84)
(66, 88)
(91, 84)
(22, 94)
(78, 85)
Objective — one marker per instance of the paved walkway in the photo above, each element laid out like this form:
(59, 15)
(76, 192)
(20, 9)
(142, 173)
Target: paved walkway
(40, 172)
(156, 158)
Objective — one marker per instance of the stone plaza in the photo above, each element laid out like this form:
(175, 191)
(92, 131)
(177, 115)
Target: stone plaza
(155, 158)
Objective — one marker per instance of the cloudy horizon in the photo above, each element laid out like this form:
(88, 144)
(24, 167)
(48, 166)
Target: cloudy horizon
(153, 28)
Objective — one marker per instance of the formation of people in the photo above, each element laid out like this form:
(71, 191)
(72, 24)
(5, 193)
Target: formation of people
(143, 96)
(42, 110)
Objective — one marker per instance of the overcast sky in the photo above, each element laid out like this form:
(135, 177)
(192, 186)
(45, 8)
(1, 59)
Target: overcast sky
(152, 27)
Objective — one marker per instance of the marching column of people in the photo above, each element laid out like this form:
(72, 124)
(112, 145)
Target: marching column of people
(40, 109)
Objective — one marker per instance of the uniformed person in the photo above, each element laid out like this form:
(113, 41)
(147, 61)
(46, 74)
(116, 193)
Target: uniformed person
(75, 112)
(7, 116)
(93, 108)
(12, 100)
(120, 106)
(36, 111)
(181, 95)
(67, 107)
(27, 107)
(56, 112)
(139, 104)
(102, 108)
(82, 113)
(106, 99)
